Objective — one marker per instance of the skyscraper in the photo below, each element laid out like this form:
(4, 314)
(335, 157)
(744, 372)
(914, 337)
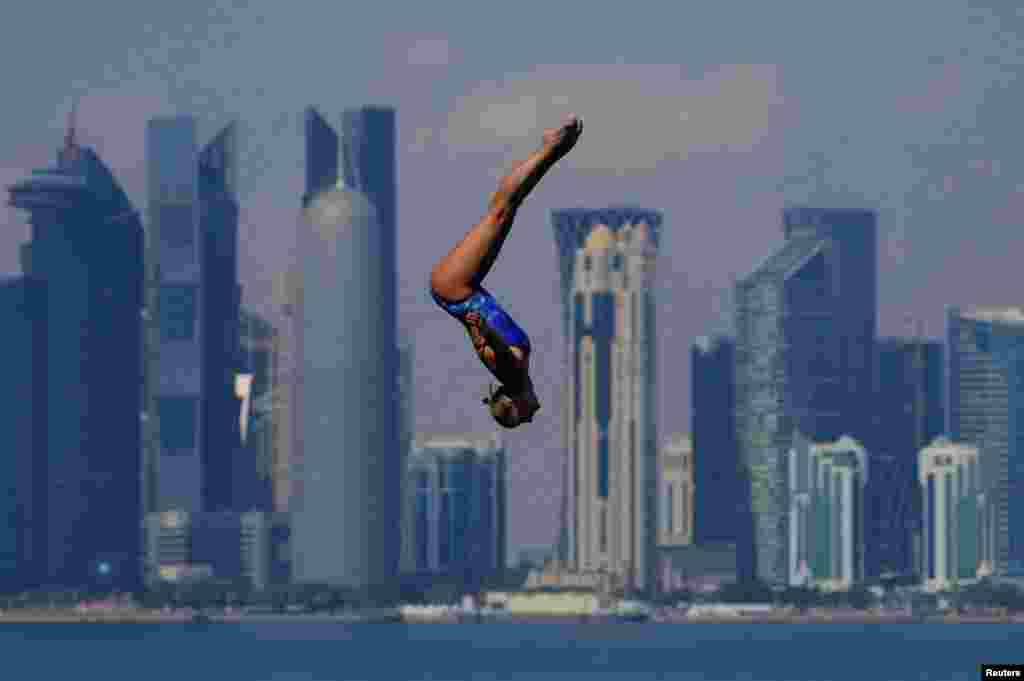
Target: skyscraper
(284, 391)
(953, 511)
(718, 499)
(805, 344)
(193, 312)
(23, 424)
(347, 514)
(910, 414)
(253, 474)
(986, 409)
(607, 260)
(369, 166)
(458, 506)
(86, 255)
(826, 513)
(407, 428)
(220, 307)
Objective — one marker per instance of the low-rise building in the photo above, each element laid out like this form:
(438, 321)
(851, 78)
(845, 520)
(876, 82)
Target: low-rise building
(184, 546)
(457, 521)
(676, 493)
(697, 567)
(553, 603)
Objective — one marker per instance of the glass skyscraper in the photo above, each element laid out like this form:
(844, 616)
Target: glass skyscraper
(193, 310)
(986, 410)
(85, 256)
(458, 506)
(23, 423)
(805, 344)
(718, 499)
(910, 413)
(253, 474)
(607, 261)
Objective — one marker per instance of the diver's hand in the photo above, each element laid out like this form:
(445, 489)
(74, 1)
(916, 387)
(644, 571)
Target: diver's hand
(473, 324)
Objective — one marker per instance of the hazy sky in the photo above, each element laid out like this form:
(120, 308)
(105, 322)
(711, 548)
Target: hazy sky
(715, 113)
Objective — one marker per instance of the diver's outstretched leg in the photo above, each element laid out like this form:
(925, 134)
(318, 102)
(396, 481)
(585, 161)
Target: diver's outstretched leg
(456, 276)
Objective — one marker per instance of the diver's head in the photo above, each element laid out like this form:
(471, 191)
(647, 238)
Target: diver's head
(511, 410)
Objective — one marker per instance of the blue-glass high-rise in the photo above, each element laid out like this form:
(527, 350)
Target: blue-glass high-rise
(86, 254)
(254, 467)
(458, 507)
(986, 409)
(717, 491)
(910, 415)
(369, 166)
(23, 422)
(323, 150)
(222, 299)
(194, 296)
(805, 335)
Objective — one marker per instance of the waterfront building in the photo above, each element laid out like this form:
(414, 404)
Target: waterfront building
(537, 556)
(805, 344)
(458, 488)
(607, 265)
(910, 413)
(284, 391)
(193, 297)
(346, 513)
(23, 425)
(253, 479)
(675, 503)
(986, 410)
(82, 522)
(697, 567)
(224, 545)
(953, 513)
(826, 515)
(407, 426)
(718, 499)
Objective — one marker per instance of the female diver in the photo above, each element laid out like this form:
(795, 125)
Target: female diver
(455, 283)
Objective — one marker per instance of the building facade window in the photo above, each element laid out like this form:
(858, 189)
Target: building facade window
(177, 225)
(423, 521)
(669, 509)
(178, 424)
(178, 311)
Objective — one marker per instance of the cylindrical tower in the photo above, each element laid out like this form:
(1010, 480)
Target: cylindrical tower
(336, 527)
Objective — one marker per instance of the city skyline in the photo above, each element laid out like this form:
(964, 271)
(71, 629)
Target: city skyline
(921, 129)
(595, 258)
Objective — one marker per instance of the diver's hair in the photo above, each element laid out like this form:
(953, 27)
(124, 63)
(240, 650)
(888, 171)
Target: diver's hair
(498, 402)
(490, 390)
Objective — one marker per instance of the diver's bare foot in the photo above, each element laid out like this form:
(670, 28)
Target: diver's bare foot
(560, 140)
(525, 175)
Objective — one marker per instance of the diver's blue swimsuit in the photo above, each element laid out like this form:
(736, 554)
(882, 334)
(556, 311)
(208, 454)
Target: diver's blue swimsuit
(483, 303)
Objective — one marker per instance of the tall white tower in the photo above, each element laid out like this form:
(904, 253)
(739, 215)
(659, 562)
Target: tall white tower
(346, 506)
(607, 260)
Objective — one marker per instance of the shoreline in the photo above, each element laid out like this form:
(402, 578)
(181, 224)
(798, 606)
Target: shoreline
(391, 617)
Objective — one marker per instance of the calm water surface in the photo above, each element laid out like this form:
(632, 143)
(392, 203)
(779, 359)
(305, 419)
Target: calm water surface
(504, 652)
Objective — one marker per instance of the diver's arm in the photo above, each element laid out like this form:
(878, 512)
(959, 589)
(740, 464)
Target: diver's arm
(495, 353)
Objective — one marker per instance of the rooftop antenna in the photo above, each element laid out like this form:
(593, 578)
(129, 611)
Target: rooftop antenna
(70, 151)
